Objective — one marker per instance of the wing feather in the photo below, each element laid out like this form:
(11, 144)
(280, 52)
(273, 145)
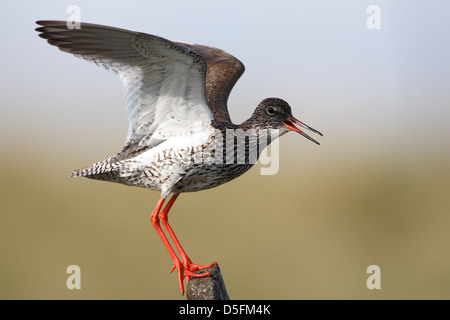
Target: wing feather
(223, 71)
(164, 81)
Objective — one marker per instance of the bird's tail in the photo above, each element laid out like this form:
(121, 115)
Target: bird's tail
(103, 170)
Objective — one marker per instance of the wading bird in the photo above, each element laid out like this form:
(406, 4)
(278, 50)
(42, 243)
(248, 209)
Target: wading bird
(178, 120)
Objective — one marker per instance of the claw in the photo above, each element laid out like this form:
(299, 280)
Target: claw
(183, 272)
(196, 267)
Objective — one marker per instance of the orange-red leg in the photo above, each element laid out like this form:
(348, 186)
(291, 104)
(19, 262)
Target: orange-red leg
(182, 270)
(184, 257)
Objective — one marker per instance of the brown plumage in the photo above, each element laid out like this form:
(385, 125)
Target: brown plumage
(222, 73)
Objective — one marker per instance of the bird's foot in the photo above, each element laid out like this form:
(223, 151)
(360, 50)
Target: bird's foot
(196, 267)
(188, 272)
(193, 267)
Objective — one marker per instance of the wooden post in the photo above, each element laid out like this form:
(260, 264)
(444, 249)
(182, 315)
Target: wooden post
(207, 288)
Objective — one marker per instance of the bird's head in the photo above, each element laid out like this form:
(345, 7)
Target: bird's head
(275, 113)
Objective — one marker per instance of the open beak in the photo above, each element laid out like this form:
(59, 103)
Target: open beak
(295, 125)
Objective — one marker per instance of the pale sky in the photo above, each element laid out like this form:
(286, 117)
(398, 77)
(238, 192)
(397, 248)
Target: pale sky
(384, 86)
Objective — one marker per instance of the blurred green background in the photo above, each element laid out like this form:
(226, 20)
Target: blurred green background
(377, 190)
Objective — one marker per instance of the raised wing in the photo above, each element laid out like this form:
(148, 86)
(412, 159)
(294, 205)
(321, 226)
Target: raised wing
(223, 71)
(164, 81)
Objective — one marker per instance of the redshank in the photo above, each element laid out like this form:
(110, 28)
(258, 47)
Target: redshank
(178, 121)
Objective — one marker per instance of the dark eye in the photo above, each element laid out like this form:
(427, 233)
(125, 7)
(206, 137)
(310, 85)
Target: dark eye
(270, 111)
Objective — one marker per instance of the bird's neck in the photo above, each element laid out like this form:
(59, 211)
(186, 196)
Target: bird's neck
(241, 144)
